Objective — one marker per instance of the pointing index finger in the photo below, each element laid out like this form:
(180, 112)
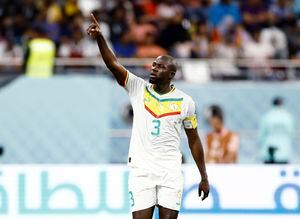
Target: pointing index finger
(94, 19)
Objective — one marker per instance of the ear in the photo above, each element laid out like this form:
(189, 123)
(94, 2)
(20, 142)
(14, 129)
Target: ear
(172, 74)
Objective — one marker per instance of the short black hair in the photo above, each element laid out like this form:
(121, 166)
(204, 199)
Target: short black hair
(216, 111)
(277, 101)
(172, 64)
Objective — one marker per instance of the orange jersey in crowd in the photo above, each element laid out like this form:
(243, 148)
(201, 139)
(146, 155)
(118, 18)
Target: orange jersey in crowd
(222, 147)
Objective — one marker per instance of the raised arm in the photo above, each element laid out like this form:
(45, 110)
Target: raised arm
(198, 155)
(110, 60)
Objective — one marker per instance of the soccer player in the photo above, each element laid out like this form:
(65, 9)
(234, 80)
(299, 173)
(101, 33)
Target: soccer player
(160, 111)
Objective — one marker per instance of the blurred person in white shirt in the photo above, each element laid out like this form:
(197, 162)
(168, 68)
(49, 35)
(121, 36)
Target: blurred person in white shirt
(276, 38)
(226, 52)
(258, 52)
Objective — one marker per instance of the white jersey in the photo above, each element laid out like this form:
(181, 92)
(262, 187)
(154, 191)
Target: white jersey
(157, 124)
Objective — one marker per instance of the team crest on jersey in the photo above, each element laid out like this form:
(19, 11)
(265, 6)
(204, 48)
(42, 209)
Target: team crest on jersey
(173, 106)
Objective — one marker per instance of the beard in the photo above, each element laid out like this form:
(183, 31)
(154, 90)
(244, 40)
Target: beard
(153, 80)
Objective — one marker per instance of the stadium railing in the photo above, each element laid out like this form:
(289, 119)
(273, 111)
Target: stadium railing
(211, 69)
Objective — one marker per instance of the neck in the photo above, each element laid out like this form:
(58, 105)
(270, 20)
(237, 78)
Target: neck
(219, 129)
(162, 88)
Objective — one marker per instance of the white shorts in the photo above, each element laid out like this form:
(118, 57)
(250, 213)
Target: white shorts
(147, 189)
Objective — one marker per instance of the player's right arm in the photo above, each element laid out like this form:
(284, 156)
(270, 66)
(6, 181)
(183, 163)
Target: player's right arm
(109, 58)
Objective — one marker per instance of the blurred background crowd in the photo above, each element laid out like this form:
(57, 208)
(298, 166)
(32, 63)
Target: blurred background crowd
(256, 29)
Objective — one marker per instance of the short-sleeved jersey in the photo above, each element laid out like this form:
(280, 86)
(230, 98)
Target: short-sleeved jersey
(157, 124)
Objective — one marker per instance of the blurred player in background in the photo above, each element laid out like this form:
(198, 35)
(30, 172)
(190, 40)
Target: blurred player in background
(222, 144)
(160, 111)
(276, 134)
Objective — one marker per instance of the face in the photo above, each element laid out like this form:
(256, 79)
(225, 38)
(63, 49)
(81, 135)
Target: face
(160, 72)
(216, 123)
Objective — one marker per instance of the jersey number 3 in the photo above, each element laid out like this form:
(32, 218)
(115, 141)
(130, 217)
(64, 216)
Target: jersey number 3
(156, 128)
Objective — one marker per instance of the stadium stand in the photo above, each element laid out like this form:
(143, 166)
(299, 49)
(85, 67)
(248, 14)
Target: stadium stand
(184, 28)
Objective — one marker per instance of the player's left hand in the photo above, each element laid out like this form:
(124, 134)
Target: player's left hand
(203, 188)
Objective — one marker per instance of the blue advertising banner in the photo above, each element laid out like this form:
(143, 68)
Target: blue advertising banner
(100, 191)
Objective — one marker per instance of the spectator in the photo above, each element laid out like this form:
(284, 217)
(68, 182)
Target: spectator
(255, 14)
(275, 38)
(118, 23)
(257, 49)
(9, 48)
(140, 29)
(5, 8)
(259, 53)
(39, 56)
(54, 11)
(27, 8)
(146, 10)
(52, 29)
(197, 11)
(200, 41)
(86, 7)
(293, 37)
(174, 34)
(71, 8)
(242, 36)
(226, 51)
(224, 14)
(167, 9)
(296, 8)
(73, 47)
(77, 46)
(276, 133)
(222, 144)
(126, 47)
(282, 12)
(19, 28)
(149, 49)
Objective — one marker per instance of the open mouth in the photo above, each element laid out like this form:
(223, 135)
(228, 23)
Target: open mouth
(152, 76)
(152, 79)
